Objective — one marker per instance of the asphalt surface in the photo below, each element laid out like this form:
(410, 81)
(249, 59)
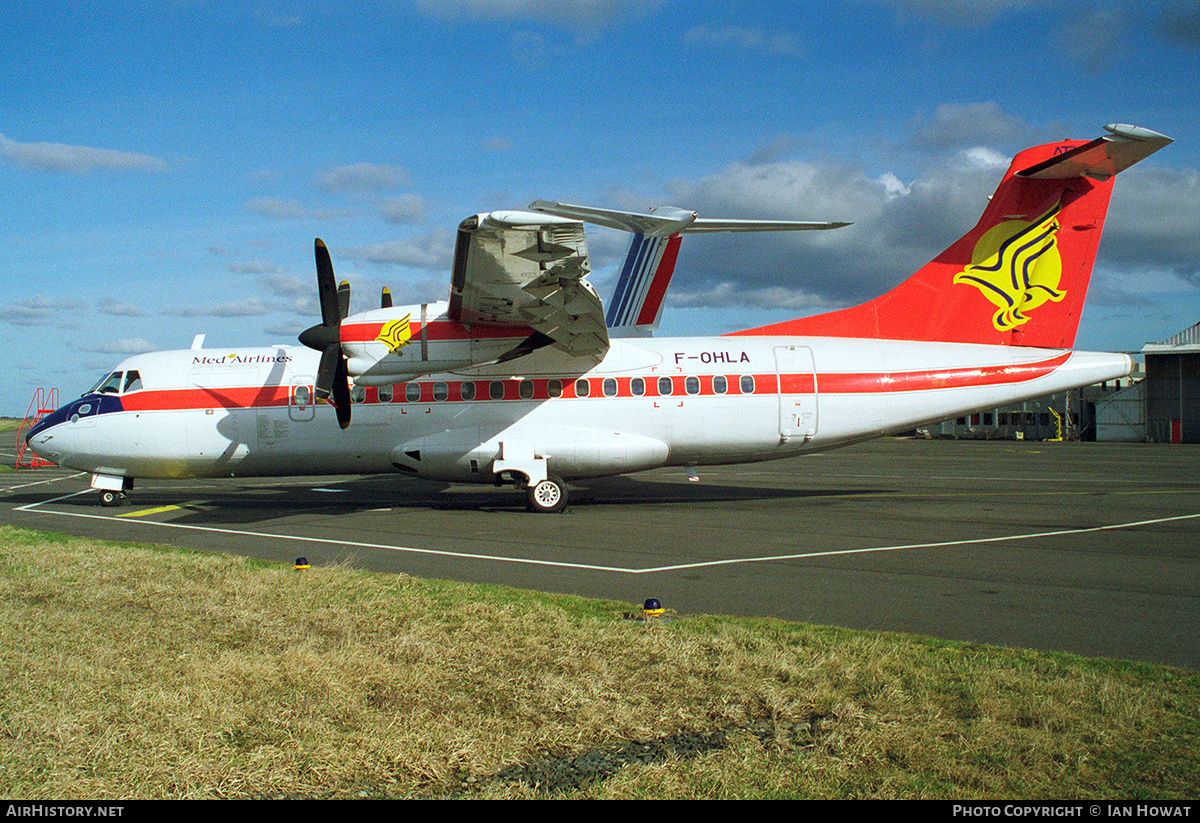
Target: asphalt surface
(1079, 547)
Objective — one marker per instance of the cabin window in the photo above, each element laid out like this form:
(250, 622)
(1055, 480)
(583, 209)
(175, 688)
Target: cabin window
(610, 387)
(582, 389)
(554, 388)
(385, 394)
(496, 390)
(133, 380)
(664, 386)
(467, 390)
(440, 391)
(720, 384)
(975, 419)
(747, 384)
(358, 394)
(987, 419)
(412, 392)
(525, 389)
(692, 385)
(638, 386)
(301, 396)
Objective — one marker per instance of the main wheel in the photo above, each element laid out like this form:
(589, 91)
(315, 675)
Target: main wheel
(547, 497)
(110, 498)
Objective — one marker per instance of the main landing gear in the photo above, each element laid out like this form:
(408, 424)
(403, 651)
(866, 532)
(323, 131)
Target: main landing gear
(547, 496)
(519, 464)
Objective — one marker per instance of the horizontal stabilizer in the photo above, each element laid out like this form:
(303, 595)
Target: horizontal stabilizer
(637, 303)
(1101, 158)
(664, 221)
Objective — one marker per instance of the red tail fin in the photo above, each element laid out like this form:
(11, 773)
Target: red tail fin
(1020, 276)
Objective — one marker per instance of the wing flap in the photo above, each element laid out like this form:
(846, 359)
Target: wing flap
(527, 270)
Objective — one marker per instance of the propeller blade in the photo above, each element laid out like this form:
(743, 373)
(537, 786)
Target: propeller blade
(327, 287)
(385, 298)
(341, 393)
(333, 379)
(324, 385)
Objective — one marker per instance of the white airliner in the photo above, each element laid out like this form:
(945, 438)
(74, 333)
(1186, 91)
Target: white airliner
(519, 378)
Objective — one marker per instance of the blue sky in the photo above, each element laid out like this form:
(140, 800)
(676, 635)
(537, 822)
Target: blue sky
(166, 165)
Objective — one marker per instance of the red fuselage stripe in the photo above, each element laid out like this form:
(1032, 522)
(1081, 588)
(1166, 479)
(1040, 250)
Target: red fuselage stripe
(623, 387)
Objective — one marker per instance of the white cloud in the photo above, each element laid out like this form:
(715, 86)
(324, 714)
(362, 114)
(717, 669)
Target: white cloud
(955, 126)
(116, 308)
(254, 267)
(725, 295)
(588, 15)
(749, 39)
(60, 157)
(434, 251)
(36, 311)
(959, 12)
(250, 307)
(362, 177)
(285, 208)
(1096, 38)
(407, 208)
(1152, 222)
(127, 345)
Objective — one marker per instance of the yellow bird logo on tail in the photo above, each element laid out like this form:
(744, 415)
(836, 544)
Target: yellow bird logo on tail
(395, 334)
(1016, 265)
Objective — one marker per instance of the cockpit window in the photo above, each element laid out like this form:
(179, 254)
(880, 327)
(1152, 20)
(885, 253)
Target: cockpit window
(109, 384)
(133, 381)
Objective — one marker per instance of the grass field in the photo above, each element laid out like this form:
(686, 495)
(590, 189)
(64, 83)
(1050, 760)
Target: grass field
(134, 672)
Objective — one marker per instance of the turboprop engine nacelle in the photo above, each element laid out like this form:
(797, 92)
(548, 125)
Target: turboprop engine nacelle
(386, 346)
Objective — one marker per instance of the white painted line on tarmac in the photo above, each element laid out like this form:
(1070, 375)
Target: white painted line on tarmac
(905, 546)
(44, 482)
(589, 566)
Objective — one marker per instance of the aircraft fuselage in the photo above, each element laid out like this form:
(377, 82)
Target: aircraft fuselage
(649, 403)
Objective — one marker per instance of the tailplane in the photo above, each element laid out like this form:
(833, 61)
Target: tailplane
(1020, 276)
(636, 307)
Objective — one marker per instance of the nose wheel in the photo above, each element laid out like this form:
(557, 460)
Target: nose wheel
(109, 497)
(547, 496)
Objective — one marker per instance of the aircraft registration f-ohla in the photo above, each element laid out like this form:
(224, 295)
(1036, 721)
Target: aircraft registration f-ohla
(521, 377)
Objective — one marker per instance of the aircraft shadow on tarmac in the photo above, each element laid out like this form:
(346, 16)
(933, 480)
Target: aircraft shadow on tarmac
(234, 503)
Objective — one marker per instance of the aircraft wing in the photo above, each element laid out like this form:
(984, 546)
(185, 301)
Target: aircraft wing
(523, 269)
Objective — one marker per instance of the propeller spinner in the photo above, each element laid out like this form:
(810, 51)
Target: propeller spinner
(332, 376)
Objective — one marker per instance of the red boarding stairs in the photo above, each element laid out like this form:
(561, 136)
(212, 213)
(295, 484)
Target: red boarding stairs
(41, 404)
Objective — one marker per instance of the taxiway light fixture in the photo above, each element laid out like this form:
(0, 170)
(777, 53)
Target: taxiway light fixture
(652, 608)
(301, 564)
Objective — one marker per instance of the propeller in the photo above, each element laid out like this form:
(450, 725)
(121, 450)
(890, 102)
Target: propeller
(332, 376)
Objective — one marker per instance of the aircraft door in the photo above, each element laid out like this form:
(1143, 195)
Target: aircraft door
(797, 374)
(301, 404)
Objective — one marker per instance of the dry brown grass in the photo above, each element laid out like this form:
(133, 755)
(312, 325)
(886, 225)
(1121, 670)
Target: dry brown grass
(139, 672)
